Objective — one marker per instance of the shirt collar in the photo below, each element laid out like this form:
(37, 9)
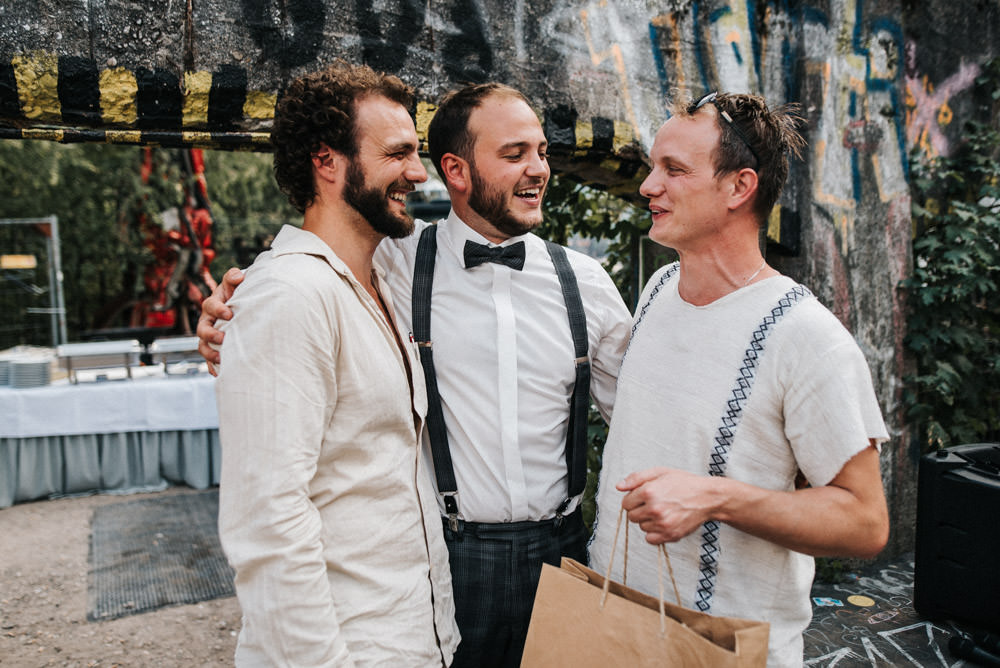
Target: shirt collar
(291, 239)
(454, 232)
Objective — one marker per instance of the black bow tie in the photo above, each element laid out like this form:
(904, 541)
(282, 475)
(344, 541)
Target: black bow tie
(512, 256)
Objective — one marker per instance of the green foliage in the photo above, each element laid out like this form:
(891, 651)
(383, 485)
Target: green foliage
(597, 434)
(954, 321)
(247, 206)
(91, 189)
(573, 209)
(98, 194)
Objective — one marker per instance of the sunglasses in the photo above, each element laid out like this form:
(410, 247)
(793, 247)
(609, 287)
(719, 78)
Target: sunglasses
(712, 98)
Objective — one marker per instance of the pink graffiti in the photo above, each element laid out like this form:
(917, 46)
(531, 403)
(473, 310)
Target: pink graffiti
(927, 101)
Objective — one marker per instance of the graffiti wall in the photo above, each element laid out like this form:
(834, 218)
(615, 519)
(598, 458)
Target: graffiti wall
(875, 78)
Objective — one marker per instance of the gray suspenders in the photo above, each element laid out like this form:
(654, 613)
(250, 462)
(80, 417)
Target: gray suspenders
(730, 421)
(576, 436)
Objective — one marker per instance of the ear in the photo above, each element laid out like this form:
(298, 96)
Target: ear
(742, 188)
(456, 172)
(328, 164)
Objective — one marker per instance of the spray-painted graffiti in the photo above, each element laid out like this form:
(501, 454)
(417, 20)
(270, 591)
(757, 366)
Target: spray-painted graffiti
(927, 105)
(585, 60)
(849, 96)
(293, 35)
(871, 621)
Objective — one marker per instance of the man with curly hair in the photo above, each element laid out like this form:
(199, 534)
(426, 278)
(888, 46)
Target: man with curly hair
(737, 384)
(325, 510)
(512, 377)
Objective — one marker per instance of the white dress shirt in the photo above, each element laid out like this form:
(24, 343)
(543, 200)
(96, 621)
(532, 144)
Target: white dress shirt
(504, 358)
(325, 510)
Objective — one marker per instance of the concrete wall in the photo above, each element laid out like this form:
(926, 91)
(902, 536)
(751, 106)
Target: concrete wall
(875, 77)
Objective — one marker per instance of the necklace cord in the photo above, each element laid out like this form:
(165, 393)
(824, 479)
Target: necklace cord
(754, 274)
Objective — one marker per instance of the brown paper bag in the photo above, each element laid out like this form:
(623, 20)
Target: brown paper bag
(574, 623)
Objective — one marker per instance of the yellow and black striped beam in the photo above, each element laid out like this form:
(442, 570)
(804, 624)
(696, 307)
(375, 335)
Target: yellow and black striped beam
(70, 99)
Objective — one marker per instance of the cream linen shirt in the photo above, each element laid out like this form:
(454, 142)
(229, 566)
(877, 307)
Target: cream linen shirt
(325, 510)
(504, 358)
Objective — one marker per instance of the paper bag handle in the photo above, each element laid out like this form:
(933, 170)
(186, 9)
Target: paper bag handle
(661, 550)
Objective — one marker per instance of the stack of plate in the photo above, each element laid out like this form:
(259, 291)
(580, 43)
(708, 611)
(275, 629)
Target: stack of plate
(4, 372)
(30, 372)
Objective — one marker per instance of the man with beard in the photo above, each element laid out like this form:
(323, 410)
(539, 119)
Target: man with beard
(325, 510)
(510, 377)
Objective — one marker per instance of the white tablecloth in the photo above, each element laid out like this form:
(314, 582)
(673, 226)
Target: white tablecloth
(116, 436)
(154, 403)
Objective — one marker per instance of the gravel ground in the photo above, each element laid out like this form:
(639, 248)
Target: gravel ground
(43, 600)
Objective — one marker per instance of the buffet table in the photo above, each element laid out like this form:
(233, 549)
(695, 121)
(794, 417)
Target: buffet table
(120, 436)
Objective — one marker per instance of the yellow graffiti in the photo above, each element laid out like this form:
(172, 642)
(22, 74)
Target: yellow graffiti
(197, 89)
(118, 90)
(123, 137)
(625, 135)
(197, 138)
(41, 133)
(774, 224)
(259, 105)
(928, 108)
(615, 54)
(945, 114)
(584, 137)
(670, 21)
(845, 225)
(37, 77)
(425, 112)
(731, 29)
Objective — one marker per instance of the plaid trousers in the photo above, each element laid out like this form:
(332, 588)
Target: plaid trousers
(494, 572)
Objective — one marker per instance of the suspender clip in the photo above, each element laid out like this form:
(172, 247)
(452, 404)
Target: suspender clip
(451, 509)
(557, 524)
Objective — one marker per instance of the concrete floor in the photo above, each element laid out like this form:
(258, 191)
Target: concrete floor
(870, 621)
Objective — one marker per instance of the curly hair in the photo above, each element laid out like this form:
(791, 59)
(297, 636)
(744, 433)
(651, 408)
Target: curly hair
(318, 108)
(757, 138)
(448, 131)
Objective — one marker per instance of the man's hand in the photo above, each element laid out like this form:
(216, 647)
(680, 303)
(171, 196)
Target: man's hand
(668, 504)
(845, 518)
(212, 309)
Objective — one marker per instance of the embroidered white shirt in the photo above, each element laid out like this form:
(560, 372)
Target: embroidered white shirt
(812, 408)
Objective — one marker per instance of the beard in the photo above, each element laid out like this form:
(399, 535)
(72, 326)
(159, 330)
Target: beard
(373, 205)
(490, 203)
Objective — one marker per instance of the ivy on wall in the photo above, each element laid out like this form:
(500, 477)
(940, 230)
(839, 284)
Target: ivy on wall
(954, 292)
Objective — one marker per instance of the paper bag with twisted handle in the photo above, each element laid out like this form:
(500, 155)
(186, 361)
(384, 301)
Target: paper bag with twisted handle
(582, 619)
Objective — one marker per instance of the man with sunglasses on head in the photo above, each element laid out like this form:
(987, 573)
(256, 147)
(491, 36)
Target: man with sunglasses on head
(516, 335)
(746, 431)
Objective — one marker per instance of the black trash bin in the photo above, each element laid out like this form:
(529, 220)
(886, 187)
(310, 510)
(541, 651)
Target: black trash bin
(957, 559)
